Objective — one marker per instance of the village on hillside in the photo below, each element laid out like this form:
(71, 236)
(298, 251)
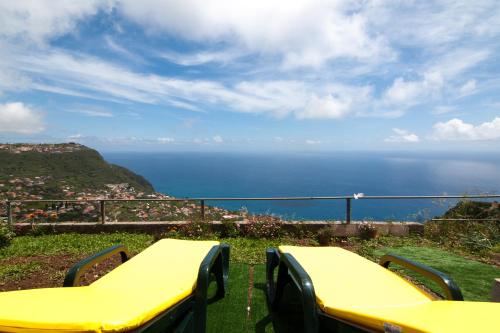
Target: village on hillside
(56, 148)
(86, 207)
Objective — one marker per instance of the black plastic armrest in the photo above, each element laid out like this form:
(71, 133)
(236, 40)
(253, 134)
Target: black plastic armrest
(216, 262)
(450, 288)
(74, 274)
(289, 270)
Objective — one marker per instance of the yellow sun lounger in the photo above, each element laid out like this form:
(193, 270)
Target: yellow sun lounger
(161, 289)
(342, 291)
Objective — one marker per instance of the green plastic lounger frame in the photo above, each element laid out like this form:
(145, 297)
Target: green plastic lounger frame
(162, 289)
(341, 291)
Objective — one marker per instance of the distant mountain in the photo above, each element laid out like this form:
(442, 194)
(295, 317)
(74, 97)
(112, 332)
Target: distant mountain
(49, 171)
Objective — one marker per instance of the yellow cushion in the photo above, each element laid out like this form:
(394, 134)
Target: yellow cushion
(356, 289)
(124, 299)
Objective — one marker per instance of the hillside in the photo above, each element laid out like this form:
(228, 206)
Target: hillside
(73, 171)
(473, 210)
(53, 171)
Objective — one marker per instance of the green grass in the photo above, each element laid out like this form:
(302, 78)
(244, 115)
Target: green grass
(72, 244)
(474, 278)
(231, 314)
(17, 272)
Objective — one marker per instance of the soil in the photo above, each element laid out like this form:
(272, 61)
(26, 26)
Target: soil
(53, 270)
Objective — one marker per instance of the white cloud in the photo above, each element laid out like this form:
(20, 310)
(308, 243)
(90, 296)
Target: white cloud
(19, 118)
(402, 135)
(403, 92)
(165, 140)
(468, 88)
(457, 129)
(442, 109)
(93, 112)
(218, 139)
(434, 24)
(39, 20)
(312, 142)
(86, 76)
(327, 107)
(201, 58)
(302, 32)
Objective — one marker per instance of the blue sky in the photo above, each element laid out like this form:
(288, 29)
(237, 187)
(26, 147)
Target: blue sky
(259, 75)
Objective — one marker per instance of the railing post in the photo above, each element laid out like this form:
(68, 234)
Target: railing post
(9, 213)
(103, 211)
(202, 202)
(348, 210)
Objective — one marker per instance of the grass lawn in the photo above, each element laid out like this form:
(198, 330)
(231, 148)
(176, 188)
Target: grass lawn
(244, 308)
(474, 278)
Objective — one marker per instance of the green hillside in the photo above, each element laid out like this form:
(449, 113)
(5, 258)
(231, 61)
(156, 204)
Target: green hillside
(83, 169)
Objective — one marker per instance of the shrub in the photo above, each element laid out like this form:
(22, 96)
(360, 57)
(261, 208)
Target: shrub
(470, 235)
(229, 229)
(196, 230)
(6, 234)
(262, 226)
(41, 230)
(366, 231)
(326, 236)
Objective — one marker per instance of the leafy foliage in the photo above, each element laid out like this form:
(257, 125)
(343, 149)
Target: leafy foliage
(367, 230)
(262, 226)
(464, 226)
(6, 234)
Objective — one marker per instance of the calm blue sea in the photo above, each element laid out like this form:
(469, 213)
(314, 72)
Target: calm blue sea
(193, 174)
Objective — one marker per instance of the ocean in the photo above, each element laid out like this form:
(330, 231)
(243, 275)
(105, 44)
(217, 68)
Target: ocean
(203, 174)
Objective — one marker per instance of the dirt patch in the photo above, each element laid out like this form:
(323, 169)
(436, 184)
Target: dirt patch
(51, 270)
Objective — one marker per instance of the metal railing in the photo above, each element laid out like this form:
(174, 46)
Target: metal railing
(348, 210)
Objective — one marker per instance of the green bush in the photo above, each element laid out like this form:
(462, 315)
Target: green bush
(229, 229)
(6, 234)
(473, 236)
(262, 226)
(367, 231)
(326, 236)
(196, 230)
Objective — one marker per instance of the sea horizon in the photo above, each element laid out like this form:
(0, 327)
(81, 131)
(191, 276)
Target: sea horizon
(291, 174)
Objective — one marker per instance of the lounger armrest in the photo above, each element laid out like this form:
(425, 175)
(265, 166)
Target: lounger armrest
(451, 289)
(289, 270)
(216, 262)
(74, 274)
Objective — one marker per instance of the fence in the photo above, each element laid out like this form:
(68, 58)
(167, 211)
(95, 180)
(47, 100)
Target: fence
(202, 201)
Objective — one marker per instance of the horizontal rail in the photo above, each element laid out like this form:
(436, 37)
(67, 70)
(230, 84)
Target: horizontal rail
(376, 197)
(202, 200)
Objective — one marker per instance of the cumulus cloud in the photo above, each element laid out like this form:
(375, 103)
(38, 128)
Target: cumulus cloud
(401, 135)
(403, 92)
(349, 38)
(302, 33)
(218, 139)
(457, 129)
(39, 20)
(312, 142)
(19, 118)
(327, 107)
